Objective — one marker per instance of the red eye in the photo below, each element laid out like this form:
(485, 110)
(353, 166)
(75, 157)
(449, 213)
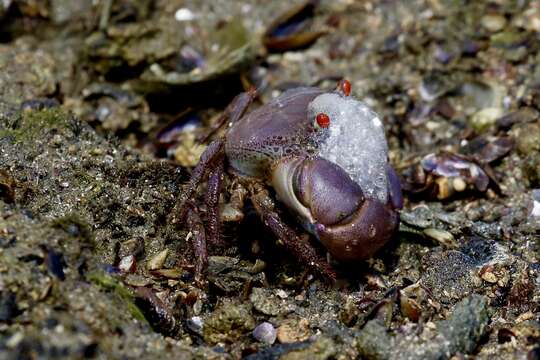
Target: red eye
(323, 120)
(345, 87)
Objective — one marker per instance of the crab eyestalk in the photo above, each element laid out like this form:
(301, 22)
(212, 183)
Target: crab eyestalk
(334, 208)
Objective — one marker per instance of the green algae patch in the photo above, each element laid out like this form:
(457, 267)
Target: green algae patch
(111, 284)
(74, 226)
(32, 123)
(228, 323)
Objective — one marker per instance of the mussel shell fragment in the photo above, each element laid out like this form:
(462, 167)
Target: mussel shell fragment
(292, 29)
(453, 166)
(235, 51)
(485, 151)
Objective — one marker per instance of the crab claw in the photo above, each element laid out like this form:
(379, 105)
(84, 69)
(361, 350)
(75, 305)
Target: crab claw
(334, 208)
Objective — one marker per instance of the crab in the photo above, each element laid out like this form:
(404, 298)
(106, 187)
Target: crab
(347, 196)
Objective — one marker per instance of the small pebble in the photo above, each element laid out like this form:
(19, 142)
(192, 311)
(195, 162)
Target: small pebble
(442, 55)
(459, 184)
(485, 118)
(8, 306)
(293, 331)
(55, 263)
(536, 203)
(229, 213)
(265, 333)
(487, 275)
(195, 323)
(184, 14)
(493, 22)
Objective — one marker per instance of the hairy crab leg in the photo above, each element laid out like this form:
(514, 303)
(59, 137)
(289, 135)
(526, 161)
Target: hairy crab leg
(213, 226)
(298, 247)
(215, 152)
(211, 163)
(198, 241)
(394, 188)
(232, 112)
(213, 155)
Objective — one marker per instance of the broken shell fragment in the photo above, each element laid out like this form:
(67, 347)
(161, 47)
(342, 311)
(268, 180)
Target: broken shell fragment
(127, 264)
(235, 50)
(494, 150)
(444, 174)
(453, 166)
(441, 236)
(292, 30)
(486, 150)
(156, 311)
(158, 260)
(523, 115)
(230, 213)
(409, 307)
(535, 212)
(435, 85)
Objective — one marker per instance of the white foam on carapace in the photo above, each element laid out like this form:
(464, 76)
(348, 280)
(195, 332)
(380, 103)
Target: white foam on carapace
(355, 141)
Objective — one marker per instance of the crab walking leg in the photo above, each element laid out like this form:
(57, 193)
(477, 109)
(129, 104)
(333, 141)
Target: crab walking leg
(299, 248)
(232, 112)
(213, 155)
(215, 152)
(394, 188)
(198, 241)
(213, 190)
